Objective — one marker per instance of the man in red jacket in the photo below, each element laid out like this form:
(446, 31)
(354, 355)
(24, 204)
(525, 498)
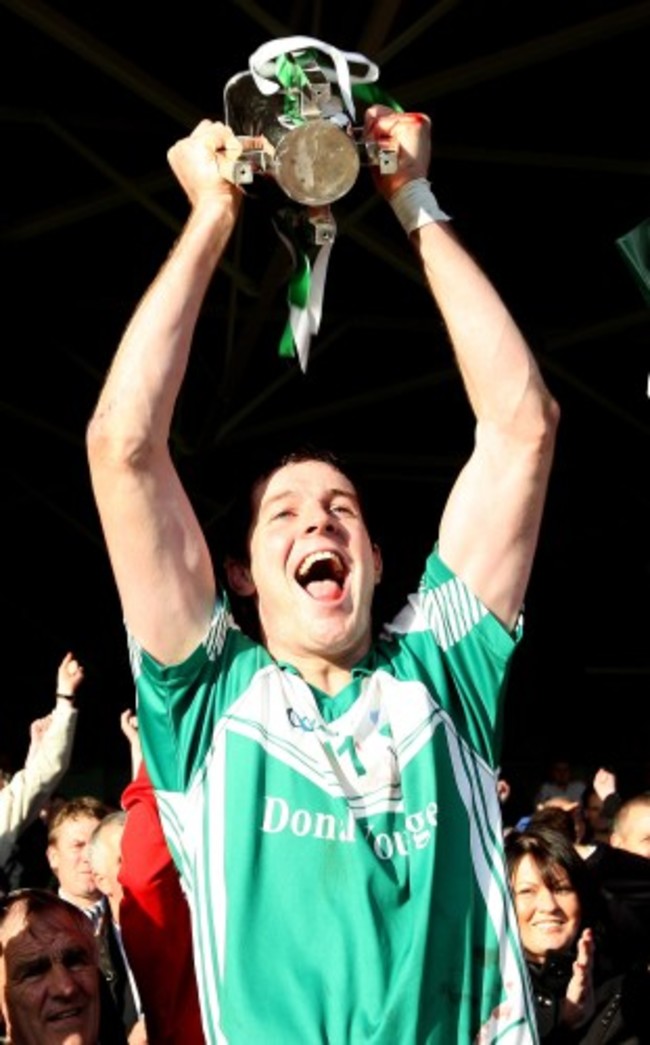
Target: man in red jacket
(154, 915)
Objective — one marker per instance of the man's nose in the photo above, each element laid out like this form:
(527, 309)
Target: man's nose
(320, 520)
(62, 981)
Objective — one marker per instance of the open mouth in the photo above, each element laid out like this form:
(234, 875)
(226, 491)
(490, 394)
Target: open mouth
(322, 574)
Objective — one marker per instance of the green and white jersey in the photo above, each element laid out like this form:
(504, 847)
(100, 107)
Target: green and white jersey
(342, 856)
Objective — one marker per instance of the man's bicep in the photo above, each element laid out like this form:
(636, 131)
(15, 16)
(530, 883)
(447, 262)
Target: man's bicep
(490, 526)
(160, 559)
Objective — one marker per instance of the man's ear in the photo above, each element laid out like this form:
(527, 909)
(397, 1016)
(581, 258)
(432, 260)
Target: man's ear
(379, 566)
(52, 857)
(239, 577)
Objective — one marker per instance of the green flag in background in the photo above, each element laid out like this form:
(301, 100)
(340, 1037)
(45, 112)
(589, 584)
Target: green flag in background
(635, 248)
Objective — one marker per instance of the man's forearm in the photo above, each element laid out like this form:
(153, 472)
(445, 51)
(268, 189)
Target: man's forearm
(160, 557)
(29, 789)
(502, 380)
(500, 375)
(136, 405)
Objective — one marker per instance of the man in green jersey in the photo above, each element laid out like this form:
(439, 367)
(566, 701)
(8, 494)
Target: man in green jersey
(330, 802)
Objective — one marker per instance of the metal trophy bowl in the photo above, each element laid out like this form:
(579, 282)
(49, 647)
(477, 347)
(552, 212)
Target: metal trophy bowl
(313, 159)
(316, 164)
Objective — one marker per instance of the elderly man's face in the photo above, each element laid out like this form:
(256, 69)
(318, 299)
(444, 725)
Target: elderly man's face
(49, 979)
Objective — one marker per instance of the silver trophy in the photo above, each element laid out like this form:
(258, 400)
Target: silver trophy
(294, 113)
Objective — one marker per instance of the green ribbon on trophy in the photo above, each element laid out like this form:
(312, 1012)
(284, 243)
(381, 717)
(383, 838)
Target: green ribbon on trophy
(318, 108)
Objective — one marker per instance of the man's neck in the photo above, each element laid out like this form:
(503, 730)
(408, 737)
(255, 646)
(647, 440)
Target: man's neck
(323, 675)
(324, 670)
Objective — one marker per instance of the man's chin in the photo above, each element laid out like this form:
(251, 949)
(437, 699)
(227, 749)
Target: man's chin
(337, 640)
(324, 629)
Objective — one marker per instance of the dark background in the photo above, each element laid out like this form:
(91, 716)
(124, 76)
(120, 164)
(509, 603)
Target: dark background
(540, 114)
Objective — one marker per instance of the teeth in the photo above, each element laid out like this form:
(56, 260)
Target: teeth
(64, 1015)
(315, 557)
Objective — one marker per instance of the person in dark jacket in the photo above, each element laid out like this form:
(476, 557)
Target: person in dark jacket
(563, 925)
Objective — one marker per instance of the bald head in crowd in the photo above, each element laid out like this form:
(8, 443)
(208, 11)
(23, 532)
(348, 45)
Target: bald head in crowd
(49, 976)
(631, 828)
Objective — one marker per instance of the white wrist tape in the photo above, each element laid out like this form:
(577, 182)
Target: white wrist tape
(415, 205)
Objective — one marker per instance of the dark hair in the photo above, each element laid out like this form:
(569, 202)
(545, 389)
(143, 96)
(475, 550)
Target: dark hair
(556, 819)
(552, 849)
(236, 523)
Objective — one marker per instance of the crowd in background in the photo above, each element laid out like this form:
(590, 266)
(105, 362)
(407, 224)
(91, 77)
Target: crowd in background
(63, 855)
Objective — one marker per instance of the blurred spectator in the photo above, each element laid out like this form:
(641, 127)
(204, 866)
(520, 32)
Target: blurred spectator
(570, 807)
(69, 833)
(154, 914)
(105, 855)
(503, 790)
(623, 883)
(48, 757)
(606, 787)
(631, 827)
(561, 783)
(597, 826)
(604, 784)
(555, 818)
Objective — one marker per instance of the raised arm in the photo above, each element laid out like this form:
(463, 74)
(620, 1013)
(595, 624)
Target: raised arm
(48, 757)
(129, 726)
(490, 524)
(159, 556)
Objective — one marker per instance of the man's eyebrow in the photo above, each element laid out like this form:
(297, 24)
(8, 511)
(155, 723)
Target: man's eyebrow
(274, 498)
(76, 955)
(350, 494)
(30, 967)
(334, 491)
